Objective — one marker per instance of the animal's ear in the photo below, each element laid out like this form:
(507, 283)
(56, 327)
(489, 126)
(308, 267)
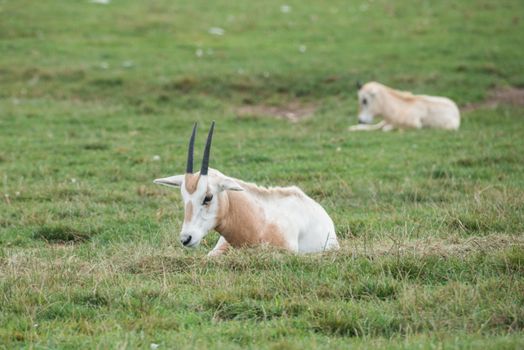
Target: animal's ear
(227, 184)
(172, 181)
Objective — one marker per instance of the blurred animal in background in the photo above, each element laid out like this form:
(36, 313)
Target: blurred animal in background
(403, 110)
(245, 214)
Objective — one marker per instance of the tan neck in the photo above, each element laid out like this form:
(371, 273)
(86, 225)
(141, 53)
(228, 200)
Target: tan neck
(391, 103)
(240, 221)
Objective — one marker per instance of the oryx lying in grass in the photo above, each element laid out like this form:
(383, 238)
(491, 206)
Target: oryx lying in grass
(403, 110)
(245, 214)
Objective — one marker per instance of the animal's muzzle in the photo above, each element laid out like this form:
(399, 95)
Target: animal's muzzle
(185, 240)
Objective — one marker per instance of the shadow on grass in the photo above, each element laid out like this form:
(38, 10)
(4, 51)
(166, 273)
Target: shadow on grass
(61, 234)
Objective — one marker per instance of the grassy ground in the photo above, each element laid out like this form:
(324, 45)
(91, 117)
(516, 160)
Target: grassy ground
(98, 100)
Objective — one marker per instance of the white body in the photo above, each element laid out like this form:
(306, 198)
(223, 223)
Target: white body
(304, 224)
(404, 110)
(246, 215)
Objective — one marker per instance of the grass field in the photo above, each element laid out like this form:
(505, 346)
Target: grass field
(98, 100)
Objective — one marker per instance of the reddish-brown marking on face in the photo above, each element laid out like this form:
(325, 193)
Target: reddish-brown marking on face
(191, 182)
(189, 212)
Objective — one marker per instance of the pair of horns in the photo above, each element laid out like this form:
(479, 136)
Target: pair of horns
(205, 160)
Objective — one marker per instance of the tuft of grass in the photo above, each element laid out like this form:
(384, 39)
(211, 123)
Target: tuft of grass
(95, 147)
(61, 234)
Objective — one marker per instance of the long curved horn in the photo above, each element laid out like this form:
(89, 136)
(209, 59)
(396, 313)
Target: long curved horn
(189, 167)
(205, 160)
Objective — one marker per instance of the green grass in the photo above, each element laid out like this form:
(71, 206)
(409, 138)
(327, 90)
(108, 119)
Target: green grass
(431, 222)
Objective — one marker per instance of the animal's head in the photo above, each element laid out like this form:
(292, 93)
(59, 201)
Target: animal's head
(368, 102)
(200, 192)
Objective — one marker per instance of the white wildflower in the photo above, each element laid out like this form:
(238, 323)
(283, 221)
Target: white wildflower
(216, 31)
(285, 9)
(34, 80)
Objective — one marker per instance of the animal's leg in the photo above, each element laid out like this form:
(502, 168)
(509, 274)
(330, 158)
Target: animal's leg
(359, 127)
(365, 127)
(220, 248)
(388, 127)
(293, 245)
(413, 122)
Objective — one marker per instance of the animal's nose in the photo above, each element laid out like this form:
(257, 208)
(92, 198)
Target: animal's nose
(361, 122)
(185, 239)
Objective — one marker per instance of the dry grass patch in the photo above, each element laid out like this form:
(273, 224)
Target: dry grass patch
(509, 95)
(292, 111)
(449, 247)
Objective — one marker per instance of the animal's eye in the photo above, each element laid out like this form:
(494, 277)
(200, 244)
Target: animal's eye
(364, 101)
(207, 199)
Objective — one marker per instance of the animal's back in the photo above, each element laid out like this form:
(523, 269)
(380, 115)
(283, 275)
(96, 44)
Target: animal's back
(298, 214)
(442, 113)
(318, 234)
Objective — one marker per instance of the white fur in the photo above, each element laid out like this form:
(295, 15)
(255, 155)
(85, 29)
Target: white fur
(404, 110)
(305, 225)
